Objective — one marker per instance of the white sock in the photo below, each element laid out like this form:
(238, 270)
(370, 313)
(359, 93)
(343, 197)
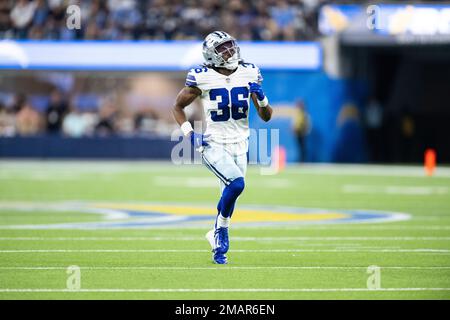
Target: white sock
(222, 222)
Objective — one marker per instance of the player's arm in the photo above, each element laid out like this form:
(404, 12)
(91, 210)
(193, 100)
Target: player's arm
(260, 101)
(185, 97)
(264, 113)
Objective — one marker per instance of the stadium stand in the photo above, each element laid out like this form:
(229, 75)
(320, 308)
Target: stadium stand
(161, 20)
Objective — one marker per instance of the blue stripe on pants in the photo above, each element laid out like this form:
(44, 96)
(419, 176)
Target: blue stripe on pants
(215, 171)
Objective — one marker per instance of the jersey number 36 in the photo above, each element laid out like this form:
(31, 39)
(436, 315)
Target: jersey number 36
(238, 107)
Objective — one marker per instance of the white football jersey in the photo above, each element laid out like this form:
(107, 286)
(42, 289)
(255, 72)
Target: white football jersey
(225, 100)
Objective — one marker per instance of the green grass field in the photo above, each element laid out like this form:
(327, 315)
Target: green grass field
(314, 257)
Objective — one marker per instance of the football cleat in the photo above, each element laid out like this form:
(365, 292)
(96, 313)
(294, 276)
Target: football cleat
(218, 239)
(221, 240)
(219, 258)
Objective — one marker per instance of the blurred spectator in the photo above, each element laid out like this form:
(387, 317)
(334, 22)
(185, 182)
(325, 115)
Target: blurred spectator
(92, 31)
(76, 124)
(21, 17)
(110, 32)
(374, 125)
(302, 128)
(28, 121)
(7, 122)
(5, 22)
(55, 3)
(102, 105)
(349, 138)
(17, 102)
(105, 127)
(146, 122)
(408, 131)
(283, 14)
(107, 118)
(57, 10)
(41, 13)
(55, 112)
(99, 13)
(159, 19)
(125, 125)
(20, 118)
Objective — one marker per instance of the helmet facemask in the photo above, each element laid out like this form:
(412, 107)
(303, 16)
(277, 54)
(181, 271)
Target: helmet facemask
(221, 51)
(228, 54)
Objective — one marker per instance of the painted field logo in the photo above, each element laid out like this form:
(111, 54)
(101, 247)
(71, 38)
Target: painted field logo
(147, 215)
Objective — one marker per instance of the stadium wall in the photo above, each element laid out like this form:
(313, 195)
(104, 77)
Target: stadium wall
(158, 148)
(335, 109)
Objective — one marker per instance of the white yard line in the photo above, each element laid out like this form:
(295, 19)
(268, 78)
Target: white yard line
(300, 227)
(116, 290)
(234, 238)
(442, 219)
(189, 182)
(346, 227)
(157, 166)
(368, 170)
(419, 250)
(208, 182)
(113, 167)
(231, 268)
(396, 190)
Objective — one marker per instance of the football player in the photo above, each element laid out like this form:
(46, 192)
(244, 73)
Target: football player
(224, 84)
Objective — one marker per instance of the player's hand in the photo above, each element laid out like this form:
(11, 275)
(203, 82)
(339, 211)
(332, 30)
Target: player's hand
(257, 89)
(199, 140)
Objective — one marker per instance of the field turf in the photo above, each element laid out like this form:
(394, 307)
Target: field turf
(266, 261)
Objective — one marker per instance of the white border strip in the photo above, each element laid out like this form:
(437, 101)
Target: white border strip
(116, 290)
(232, 268)
(234, 238)
(418, 250)
(148, 55)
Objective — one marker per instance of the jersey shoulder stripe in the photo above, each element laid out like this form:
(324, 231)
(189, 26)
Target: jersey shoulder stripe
(191, 81)
(196, 76)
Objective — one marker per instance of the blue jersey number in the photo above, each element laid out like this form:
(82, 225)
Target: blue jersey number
(238, 107)
(223, 114)
(198, 70)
